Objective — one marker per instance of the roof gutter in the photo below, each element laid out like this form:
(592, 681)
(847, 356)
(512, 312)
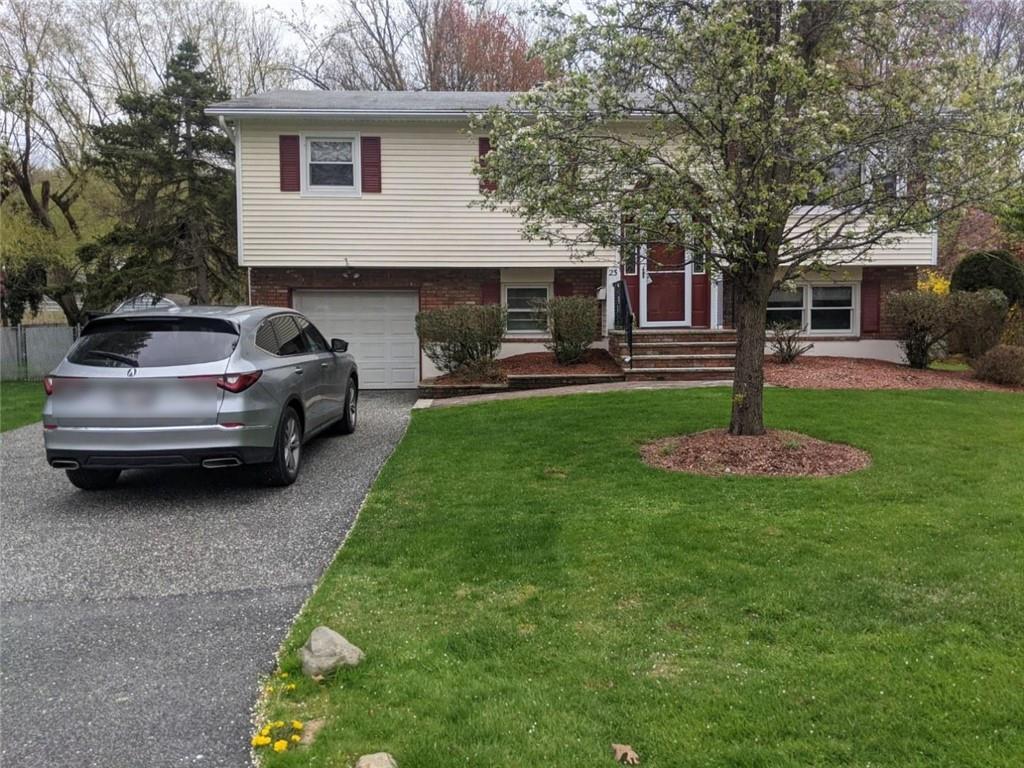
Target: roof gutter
(241, 112)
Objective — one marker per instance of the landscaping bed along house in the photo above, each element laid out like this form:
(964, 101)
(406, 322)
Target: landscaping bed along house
(534, 370)
(567, 603)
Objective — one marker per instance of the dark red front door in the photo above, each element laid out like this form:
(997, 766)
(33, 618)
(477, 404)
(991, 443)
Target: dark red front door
(666, 285)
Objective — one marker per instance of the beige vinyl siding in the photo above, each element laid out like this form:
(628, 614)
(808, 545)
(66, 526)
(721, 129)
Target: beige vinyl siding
(905, 249)
(421, 218)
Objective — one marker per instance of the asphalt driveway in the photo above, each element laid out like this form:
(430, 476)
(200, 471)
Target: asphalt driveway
(136, 622)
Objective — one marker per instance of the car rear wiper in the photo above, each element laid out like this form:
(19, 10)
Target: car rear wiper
(114, 356)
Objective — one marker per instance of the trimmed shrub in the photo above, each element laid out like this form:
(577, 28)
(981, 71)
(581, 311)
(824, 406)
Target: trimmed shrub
(459, 336)
(979, 321)
(922, 322)
(784, 339)
(1002, 365)
(574, 323)
(990, 269)
(1013, 330)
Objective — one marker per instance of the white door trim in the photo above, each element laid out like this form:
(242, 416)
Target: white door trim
(687, 270)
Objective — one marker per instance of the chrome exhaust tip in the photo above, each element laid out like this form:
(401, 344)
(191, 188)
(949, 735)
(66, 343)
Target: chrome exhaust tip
(224, 461)
(64, 464)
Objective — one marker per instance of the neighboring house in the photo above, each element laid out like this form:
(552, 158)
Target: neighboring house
(355, 208)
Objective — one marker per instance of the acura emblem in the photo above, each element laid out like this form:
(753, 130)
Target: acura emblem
(132, 371)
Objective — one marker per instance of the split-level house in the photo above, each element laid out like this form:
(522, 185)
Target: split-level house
(356, 209)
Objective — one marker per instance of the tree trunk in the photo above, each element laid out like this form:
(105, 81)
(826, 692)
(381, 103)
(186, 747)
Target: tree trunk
(751, 293)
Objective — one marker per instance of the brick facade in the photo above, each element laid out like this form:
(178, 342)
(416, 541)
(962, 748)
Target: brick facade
(437, 287)
(890, 279)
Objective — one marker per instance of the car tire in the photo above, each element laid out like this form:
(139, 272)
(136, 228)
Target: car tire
(287, 450)
(348, 420)
(93, 479)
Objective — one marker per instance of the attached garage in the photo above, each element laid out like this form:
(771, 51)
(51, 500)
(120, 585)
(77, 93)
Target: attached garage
(380, 327)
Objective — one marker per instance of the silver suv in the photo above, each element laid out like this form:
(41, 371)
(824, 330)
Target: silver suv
(196, 386)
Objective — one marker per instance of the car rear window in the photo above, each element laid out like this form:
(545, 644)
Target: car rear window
(151, 342)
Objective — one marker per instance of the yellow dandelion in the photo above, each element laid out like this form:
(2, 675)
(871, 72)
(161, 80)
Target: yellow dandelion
(265, 730)
(278, 723)
(284, 674)
(260, 741)
(290, 687)
(280, 745)
(296, 737)
(297, 725)
(270, 689)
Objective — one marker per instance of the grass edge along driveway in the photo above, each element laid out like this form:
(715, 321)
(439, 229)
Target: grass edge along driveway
(528, 592)
(21, 403)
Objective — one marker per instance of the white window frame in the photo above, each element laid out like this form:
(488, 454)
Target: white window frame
(807, 293)
(533, 286)
(309, 190)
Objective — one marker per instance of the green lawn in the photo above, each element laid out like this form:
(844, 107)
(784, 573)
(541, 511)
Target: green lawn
(21, 403)
(528, 592)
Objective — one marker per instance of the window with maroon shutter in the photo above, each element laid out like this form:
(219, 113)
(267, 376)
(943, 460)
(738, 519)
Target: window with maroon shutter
(490, 292)
(870, 306)
(483, 147)
(288, 156)
(369, 157)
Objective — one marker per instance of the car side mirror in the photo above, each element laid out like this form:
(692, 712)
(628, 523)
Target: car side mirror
(339, 345)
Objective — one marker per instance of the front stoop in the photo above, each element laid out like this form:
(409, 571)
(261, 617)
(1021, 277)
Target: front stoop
(684, 354)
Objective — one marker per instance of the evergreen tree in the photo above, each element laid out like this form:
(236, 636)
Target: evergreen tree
(173, 168)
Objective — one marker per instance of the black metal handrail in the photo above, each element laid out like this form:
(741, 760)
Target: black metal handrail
(626, 311)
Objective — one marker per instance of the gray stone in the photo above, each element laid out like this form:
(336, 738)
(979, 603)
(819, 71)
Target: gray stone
(377, 760)
(326, 650)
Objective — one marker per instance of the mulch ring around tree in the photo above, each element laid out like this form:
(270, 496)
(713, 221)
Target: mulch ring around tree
(777, 453)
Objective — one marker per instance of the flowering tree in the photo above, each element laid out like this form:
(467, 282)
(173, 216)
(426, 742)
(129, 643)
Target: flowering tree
(780, 136)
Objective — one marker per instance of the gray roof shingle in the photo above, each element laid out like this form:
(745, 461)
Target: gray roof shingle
(363, 103)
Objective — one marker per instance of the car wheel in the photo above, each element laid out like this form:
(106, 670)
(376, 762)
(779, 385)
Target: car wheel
(93, 479)
(347, 423)
(287, 450)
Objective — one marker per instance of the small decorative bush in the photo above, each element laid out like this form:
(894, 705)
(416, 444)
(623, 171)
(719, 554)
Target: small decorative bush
(574, 324)
(922, 322)
(990, 269)
(933, 281)
(458, 336)
(1013, 329)
(979, 321)
(784, 339)
(1002, 364)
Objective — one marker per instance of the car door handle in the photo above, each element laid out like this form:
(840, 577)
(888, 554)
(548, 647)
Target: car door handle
(324, 365)
(299, 371)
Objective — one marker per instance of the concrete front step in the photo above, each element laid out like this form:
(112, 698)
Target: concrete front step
(680, 348)
(680, 361)
(681, 374)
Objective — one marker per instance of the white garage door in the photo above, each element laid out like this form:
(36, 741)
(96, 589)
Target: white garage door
(380, 327)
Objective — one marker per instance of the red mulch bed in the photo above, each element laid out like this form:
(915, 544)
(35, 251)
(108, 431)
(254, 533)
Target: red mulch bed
(541, 364)
(777, 453)
(855, 373)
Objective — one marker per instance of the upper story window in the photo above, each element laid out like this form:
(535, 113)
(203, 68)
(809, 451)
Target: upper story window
(331, 164)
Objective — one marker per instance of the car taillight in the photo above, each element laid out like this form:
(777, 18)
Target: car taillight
(238, 382)
(48, 385)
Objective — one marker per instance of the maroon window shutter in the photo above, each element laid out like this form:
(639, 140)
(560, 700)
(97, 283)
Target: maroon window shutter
(870, 306)
(563, 288)
(490, 292)
(369, 157)
(288, 153)
(483, 147)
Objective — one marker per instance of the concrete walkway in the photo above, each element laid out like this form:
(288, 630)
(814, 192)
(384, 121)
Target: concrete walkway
(585, 389)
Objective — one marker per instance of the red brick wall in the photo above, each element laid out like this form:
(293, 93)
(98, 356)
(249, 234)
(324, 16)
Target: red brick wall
(891, 279)
(584, 280)
(437, 287)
